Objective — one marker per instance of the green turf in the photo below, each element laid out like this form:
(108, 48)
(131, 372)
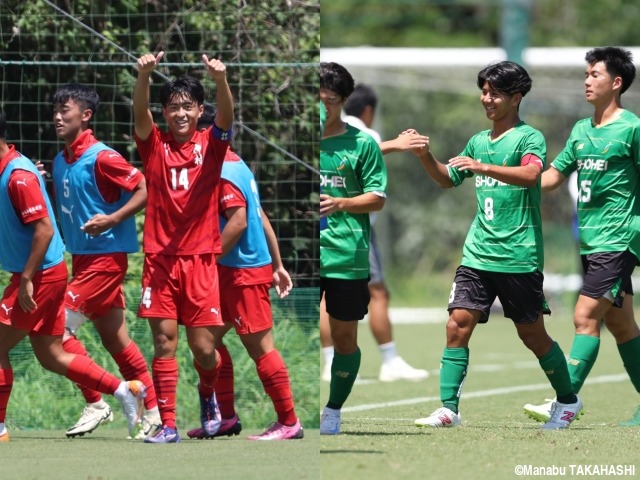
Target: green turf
(382, 442)
(105, 455)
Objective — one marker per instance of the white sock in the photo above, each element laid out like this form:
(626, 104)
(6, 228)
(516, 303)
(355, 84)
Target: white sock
(121, 391)
(328, 355)
(3, 429)
(100, 404)
(388, 352)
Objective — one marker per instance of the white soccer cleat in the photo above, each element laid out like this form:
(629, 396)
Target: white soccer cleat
(330, 422)
(151, 424)
(442, 417)
(540, 413)
(93, 415)
(131, 395)
(562, 414)
(398, 369)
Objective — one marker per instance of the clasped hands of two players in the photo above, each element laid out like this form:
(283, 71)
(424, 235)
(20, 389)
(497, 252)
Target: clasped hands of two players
(415, 142)
(148, 62)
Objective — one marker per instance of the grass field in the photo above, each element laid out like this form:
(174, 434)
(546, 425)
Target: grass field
(105, 455)
(379, 440)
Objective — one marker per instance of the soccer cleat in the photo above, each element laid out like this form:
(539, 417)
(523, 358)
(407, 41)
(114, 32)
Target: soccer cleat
(634, 421)
(93, 415)
(398, 369)
(210, 417)
(228, 427)
(132, 404)
(278, 431)
(562, 414)
(151, 424)
(442, 417)
(4, 436)
(542, 413)
(164, 435)
(330, 422)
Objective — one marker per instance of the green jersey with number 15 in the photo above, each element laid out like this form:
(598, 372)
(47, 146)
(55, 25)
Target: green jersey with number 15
(607, 160)
(350, 164)
(506, 233)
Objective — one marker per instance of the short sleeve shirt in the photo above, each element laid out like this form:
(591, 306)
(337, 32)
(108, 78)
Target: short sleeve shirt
(607, 161)
(351, 164)
(506, 233)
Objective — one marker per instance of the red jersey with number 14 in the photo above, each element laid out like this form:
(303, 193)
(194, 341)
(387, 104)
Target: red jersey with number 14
(182, 191)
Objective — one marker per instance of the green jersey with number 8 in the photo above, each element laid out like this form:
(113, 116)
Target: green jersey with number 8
(506, 233)
(607, 160)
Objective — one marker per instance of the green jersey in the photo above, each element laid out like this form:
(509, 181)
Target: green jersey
(607, 160)
(350, 164)
(506, 233)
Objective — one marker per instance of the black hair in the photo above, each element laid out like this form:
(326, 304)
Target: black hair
(619, 63)
(208, 116)
(83, 95)
(184, 85)
(505, 77)
(3, 126)
(363, 96)
(335, 78)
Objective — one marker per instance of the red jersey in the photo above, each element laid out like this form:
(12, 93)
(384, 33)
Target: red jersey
(182, 191)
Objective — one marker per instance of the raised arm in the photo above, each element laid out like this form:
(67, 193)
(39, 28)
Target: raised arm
(224, 100)
(142, 118)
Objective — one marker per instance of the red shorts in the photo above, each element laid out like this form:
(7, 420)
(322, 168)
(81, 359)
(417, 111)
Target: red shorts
(95, 293)
(247, 307)
(49, 317)
(182, 288)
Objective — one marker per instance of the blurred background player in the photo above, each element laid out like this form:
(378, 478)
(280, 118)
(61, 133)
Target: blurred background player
(353, 180)
(248, 266)
(33, 304)
(181, 232)
(97, 193)
(605, 151)
(360, 110)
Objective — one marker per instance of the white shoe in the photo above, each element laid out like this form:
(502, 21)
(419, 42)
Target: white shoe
(151, 424)
(330, 422)
(540, 413)
(131, 395)
(398, 369)
(562, 414)
(93, 415)
(442, 417)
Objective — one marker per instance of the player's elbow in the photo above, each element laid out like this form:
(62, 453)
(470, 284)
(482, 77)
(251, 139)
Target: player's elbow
(377, 204)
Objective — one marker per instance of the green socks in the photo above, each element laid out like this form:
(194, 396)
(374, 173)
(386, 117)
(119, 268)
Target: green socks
(630, 354)
(584, 352)
(344, 370)
(453, 370)
(555, 368)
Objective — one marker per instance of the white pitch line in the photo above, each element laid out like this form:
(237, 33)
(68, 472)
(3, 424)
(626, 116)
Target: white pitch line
(482, 393)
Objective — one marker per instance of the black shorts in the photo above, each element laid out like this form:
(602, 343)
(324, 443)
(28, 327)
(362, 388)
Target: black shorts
(521, 294)
(608, 275)
(345, 300)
